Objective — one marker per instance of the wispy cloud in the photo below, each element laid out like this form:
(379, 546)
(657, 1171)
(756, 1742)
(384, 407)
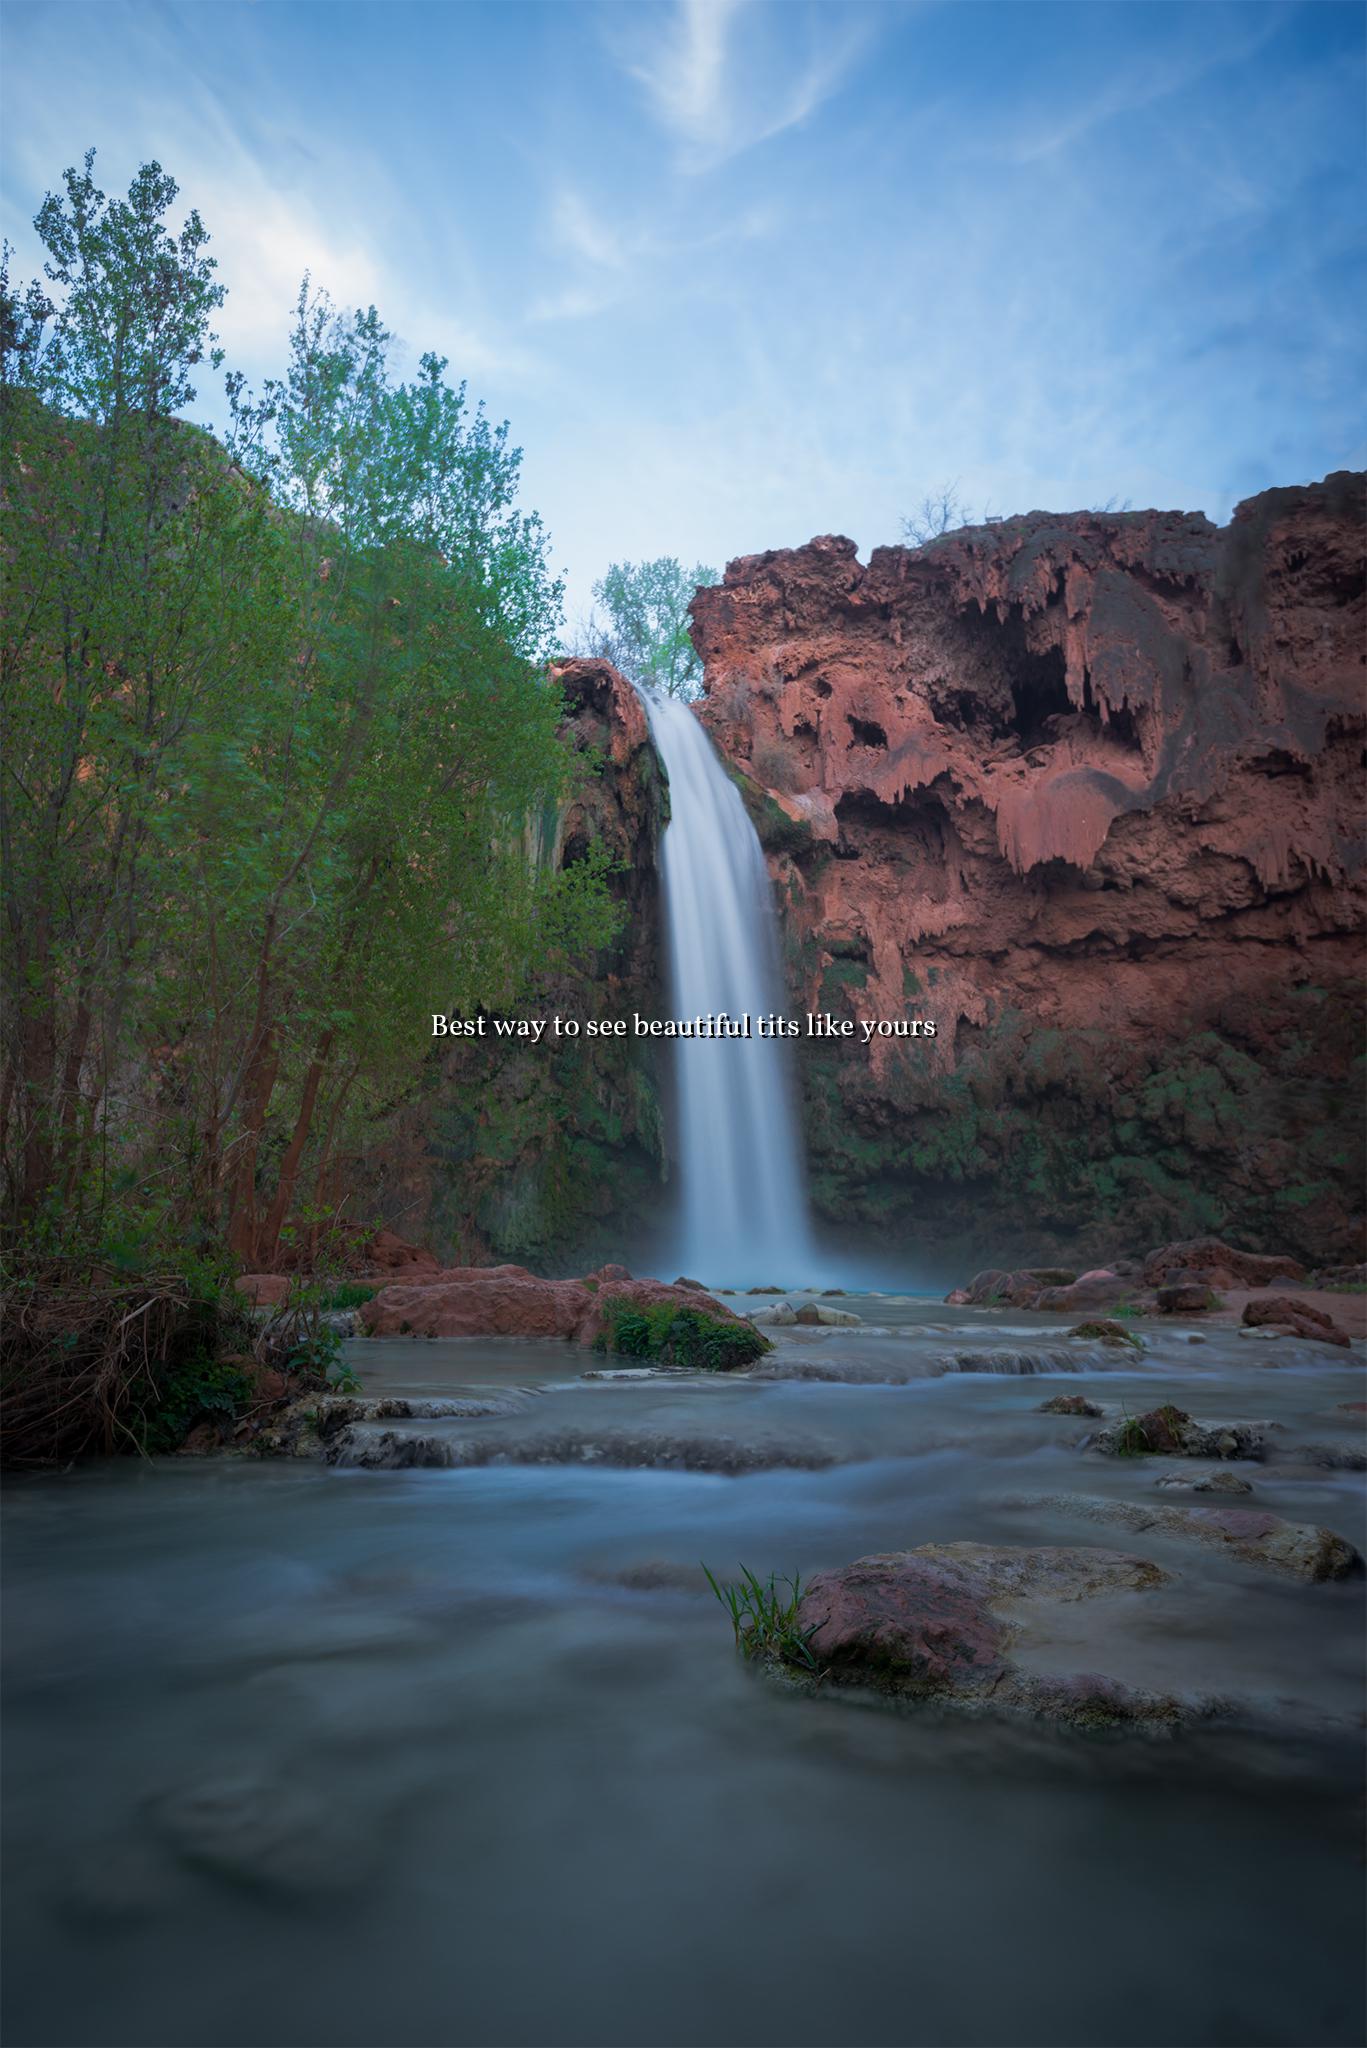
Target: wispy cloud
(721, 76)
(1155, 77)
(685, 74)
(611, 262)
(278, 199)
(581, 232)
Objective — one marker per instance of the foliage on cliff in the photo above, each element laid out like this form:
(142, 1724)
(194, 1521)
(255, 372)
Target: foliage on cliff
(647, 632)
(554, 1156)
(276, 721)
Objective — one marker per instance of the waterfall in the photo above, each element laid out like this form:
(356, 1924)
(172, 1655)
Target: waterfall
(740, 1159)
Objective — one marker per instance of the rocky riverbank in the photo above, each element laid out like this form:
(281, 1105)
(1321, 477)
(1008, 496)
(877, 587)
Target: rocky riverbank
(1116, 1513)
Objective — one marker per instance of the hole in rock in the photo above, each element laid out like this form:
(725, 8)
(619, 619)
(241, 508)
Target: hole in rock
(1039, 692)
(1001, 683)
(1120, 724)
(822, 687)
(966, 1036)
(866, 733)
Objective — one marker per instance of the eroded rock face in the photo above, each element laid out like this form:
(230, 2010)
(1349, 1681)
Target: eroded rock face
(1084, 791)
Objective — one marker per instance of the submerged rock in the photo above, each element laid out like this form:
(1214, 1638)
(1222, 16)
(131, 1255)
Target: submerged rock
(1325, 1457)
(627, 1372)
(653, 1575)
(1070, 1404)
(851, 1372)
(1208, 1482)
(264, 1833)
(1016, 1363)
(1294, 1549)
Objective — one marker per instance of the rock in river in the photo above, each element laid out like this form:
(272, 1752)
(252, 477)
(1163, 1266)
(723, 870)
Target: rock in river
(940, 1623)
(1170, 1432)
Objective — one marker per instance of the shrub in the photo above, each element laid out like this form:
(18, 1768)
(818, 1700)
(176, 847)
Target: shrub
(89, 1363)
(203, 1389)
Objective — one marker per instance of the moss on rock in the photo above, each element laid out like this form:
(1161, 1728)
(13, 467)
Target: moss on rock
(679, 1336)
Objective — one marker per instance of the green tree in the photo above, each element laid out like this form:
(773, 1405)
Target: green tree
(647, 634)
(139, 605)
(275, 722)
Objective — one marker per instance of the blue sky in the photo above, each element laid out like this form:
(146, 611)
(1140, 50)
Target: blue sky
(742, 271)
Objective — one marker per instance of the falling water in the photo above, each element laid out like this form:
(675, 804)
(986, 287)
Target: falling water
(740, 1162)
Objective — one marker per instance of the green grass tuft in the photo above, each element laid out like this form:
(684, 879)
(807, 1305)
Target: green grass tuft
(764, 1622)
(347, 1294)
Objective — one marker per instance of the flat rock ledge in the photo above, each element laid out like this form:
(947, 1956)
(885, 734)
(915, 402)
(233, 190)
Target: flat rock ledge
(368, 1448)
(1295, 1550)
(1018, 1363)
(940, 1624)
(315, 1426)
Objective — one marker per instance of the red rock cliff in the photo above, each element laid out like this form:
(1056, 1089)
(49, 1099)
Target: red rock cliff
(1087, 790)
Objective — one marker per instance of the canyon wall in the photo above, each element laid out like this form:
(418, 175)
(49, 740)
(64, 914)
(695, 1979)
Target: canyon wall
(1087, 791)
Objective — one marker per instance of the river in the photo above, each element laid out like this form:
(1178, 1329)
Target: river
(305, 1757)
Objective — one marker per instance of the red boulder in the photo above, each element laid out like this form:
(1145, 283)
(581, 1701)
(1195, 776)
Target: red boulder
(1284, 1312)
